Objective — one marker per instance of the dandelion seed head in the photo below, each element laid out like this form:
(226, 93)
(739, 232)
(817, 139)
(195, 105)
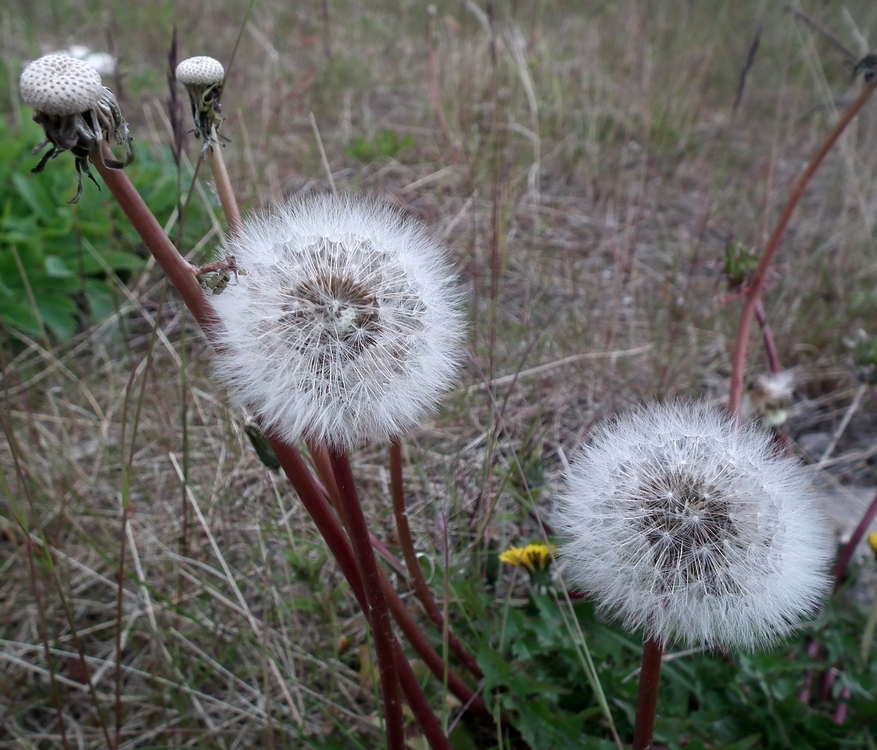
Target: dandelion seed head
(345, 326)
(683, 524)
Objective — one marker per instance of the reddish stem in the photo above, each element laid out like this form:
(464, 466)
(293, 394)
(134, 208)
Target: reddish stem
(376, 610)
(421, 588)
(403, 617)
(320, 459)
(181, 275)
(179, 271)
(400, 613)
(429, 655)
(804, 693)
(850, 547)
(738, 360)
(314, 499)
(842, 709)
(770, 348)
(647, 700)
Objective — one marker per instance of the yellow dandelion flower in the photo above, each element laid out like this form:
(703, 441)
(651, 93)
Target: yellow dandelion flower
(512, 556)
(535, 559)
(872, 541)
(532, 557)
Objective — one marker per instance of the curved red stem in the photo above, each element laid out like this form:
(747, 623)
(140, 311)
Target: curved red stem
(421, 587)
(738, 360)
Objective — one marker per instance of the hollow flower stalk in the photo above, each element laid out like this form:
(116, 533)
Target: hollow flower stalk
(343, 323)
(687, 526)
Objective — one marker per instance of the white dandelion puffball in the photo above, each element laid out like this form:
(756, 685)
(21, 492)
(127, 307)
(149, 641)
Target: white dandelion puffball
(692, 528)
(343, 323)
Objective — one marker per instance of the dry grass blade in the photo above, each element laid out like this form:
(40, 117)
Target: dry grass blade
(256, 626)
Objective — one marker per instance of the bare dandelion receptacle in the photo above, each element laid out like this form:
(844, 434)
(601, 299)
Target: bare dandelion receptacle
(202, 78)
(77, 112)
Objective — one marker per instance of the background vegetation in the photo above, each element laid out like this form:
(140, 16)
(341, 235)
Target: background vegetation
(588, 164)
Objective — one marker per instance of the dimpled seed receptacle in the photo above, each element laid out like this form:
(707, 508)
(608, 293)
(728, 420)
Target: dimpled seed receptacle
(60, 85)
(200, 71)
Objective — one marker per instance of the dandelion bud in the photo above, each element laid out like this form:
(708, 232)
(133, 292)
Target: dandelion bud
(203, 76)
(342, 325)
(77, 112)
(687, 526)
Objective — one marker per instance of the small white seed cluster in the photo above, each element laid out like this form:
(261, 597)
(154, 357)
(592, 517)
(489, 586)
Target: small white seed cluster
(61, 85)
(200, 71)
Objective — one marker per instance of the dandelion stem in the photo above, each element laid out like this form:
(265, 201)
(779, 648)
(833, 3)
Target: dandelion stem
(430, 656)
(409, 627)
(177, 268)
(406, 622)
(738, 361)
(647, 700)
(321, 462)
(223, 184)
(850, 546)
(317, 505)
(770, 347)
(181, 276)
(421, 587)
(376, 603)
